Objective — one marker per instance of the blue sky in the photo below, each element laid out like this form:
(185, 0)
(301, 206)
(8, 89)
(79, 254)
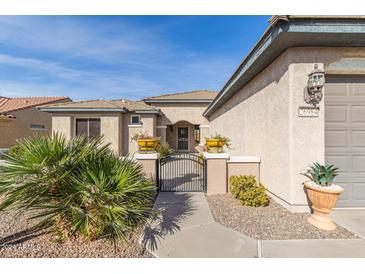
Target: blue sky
(108, 57)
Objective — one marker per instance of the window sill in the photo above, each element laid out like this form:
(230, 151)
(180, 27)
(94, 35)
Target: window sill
(139, 125)
(39, 129)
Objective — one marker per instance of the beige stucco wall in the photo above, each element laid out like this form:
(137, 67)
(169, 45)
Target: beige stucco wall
(11, 130)
(148, 125)
(204, 133)
(217, 176)
(149, 168)
(110, 126)
(256, 119)
(62, 124)
(237, 169)
(115, 127)
(262, 120)
(161, 132)
(173, 113)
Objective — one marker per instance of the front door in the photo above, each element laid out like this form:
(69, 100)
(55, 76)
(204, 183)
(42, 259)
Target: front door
(183, 138)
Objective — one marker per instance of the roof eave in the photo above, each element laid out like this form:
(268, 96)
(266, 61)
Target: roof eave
(178, 100)
(82, 109)
(122, 110)
(147, 112)
(282, 29)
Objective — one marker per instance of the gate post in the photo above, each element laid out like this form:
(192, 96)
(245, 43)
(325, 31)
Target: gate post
(216, 172)
(149, 164)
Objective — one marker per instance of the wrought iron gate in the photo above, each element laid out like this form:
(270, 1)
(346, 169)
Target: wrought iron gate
(182, 172)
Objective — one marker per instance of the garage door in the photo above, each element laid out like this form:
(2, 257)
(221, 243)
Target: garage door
(345, 135)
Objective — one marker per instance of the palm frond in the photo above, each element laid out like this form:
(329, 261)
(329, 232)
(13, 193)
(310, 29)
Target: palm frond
(78, 181)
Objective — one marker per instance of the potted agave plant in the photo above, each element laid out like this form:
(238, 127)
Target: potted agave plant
(146, 143)
(322, 193)
(216, 143)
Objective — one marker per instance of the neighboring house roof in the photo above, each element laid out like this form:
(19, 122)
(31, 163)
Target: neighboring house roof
(119, 105)
(8, 105)
(203, 96)
(291, 31)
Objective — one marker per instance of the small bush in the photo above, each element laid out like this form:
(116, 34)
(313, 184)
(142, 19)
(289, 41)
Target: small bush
(245, 189)
(164, 149)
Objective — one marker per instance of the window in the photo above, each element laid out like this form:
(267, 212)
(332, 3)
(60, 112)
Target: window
(135, 120)
(89, 127)
(37, 126)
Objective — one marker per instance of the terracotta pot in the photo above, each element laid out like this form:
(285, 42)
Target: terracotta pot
(147, 145)
(215, 145)
(323, 200)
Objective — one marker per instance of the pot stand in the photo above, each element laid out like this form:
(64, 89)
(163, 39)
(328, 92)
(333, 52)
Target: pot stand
(321, 220)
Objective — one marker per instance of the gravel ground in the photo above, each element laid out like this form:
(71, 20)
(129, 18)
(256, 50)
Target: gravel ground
(17, 240)
(273, 222)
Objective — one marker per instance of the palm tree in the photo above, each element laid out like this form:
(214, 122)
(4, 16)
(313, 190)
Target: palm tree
(77, 184)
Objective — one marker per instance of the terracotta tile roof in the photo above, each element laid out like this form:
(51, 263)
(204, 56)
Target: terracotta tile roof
(121, 104)
(190, 95)
(18, 103)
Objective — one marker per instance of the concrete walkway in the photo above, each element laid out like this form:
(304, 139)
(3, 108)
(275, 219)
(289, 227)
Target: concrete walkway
(351, 219)
(326, 248)
(184, 228)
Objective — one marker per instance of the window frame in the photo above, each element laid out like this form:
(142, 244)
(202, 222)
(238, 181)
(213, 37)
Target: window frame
(88, 125)
(43, 127)
(139, 119)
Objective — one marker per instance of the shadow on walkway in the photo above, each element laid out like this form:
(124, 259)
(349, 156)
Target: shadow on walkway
(170, 210)
(23, 236)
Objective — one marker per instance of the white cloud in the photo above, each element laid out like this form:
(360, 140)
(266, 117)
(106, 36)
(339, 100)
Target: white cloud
(36, 64)
(110, 43)
(127, 61)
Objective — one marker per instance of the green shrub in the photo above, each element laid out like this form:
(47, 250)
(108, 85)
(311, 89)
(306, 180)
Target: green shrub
(13, 150)
(76, 186)
(164, 149)
(245, 189)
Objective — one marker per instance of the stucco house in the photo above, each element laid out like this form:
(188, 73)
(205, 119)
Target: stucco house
(259, 107)
(175, 118)
(19, 118)
(262, 109)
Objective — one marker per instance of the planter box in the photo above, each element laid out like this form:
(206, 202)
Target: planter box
(147, 145)
(215, 145)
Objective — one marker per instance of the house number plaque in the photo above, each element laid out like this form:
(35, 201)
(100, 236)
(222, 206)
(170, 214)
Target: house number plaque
(308, 112)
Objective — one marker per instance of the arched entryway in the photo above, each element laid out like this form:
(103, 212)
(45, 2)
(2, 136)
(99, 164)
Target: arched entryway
(183, 136)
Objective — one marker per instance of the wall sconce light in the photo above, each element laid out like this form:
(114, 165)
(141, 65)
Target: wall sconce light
(313, 91)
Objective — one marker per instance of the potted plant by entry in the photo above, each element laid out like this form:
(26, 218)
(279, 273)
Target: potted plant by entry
(146, 143)
(216, 143)
(322, 193)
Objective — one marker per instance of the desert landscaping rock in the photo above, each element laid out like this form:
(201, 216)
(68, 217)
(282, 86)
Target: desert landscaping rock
(273, 222)
(18, 240)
